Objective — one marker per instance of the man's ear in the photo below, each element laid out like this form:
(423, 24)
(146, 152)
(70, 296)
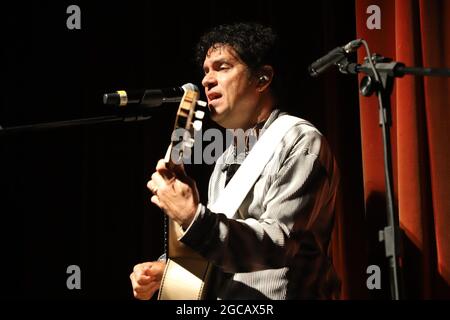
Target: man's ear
(264, 78)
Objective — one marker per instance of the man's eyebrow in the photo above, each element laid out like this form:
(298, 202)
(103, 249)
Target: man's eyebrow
(218, 61)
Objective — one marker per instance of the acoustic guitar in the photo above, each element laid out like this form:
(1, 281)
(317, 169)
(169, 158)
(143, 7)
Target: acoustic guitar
(186, 272)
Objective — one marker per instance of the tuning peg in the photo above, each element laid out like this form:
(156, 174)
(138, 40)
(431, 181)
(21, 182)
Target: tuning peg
(202, 103)
(197, 125)
(199, 114)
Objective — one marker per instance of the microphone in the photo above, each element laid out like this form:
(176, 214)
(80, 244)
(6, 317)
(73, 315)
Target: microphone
(333, 57)
(148, 98)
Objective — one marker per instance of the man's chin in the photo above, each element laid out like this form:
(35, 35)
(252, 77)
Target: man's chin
(217, 118)
(221, 118)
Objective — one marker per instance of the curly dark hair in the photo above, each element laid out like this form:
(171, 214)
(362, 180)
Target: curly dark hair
(255, 44)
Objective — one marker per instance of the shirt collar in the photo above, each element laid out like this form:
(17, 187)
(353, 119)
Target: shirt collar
(236, 153)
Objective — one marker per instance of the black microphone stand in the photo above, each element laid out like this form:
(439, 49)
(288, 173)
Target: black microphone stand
(380, 73)
(72, 123)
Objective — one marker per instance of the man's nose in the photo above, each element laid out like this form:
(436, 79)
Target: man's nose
(209, 80)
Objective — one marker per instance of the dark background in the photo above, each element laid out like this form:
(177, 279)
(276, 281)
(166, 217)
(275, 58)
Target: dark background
(78, 195)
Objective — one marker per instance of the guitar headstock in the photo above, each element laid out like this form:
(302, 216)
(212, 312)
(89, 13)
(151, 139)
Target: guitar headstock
(188, 121)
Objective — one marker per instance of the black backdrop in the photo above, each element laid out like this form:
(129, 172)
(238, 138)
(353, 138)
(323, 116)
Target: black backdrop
(77, 195)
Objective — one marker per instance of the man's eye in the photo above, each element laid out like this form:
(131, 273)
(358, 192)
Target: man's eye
(224, 67)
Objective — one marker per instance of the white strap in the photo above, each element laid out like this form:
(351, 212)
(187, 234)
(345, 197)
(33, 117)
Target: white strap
(230, 199)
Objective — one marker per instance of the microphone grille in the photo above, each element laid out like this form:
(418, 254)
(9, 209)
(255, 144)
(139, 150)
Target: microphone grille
(190, 86)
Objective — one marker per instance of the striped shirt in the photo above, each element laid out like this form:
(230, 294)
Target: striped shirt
(276, 246)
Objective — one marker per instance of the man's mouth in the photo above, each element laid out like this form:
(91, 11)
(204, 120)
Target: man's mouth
(212, 96)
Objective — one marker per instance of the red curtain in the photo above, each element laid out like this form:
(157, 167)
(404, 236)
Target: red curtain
(417, 33)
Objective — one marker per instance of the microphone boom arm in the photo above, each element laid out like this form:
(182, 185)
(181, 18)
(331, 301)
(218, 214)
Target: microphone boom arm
(71, 123)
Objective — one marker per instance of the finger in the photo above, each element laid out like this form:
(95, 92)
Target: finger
(141, 284)
(142, 295)
(178, 169)
(164, 170)
(147, 269)
(144, 281)
(152, 187)
(134, 282)
(141, 266)
(161, 165)
(154, 199)
(147, 287)
(159, 180)
(139, 296)
(141, 278)
(147, 293)
(138, 270)
(156, 271)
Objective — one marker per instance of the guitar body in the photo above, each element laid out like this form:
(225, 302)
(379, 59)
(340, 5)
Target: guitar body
(186, 272)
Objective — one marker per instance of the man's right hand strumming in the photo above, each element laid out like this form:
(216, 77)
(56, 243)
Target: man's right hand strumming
(146, 279)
